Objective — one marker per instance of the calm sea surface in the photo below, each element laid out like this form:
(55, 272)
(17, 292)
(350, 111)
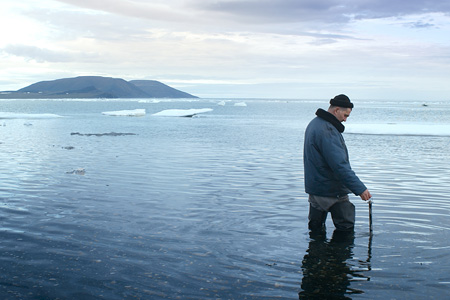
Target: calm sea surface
(103, 207)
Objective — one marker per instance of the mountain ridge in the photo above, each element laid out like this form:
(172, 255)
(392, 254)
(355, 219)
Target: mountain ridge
(96, 87)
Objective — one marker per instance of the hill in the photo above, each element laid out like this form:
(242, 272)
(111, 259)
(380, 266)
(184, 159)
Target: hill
(96, 87)
(156, 89)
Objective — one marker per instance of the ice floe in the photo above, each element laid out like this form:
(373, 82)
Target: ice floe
(79, 171)
(240, 104)
(11, 115)
(418, 129)
(126, 113)
(182, 112)
(102, 134)
(149, 101)
(167, 100)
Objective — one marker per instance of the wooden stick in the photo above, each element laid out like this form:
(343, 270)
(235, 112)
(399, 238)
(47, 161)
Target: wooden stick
(370, 215)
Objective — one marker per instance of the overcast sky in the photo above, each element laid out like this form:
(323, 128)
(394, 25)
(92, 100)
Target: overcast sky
(303, 49)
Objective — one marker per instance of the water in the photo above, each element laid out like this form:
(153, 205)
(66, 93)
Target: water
(213, 206)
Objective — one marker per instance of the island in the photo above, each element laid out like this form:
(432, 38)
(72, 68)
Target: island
(95, 87)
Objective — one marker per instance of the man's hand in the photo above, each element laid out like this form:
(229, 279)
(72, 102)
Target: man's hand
(366, 195)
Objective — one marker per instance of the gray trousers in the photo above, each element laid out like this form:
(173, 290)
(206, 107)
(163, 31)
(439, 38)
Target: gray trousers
(341, 209)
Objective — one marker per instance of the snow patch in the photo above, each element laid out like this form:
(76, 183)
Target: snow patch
(126, 113)
(10, 115)
(181, 112)
(418, 129)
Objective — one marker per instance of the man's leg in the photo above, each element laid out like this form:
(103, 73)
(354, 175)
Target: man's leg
(343, 214)
(316, 218)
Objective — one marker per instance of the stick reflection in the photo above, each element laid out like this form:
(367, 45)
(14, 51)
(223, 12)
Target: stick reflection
(328, 266)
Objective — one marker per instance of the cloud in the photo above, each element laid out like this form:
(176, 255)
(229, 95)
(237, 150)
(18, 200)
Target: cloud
(221, 44)
(298, 17)
(393, 8)
(45, 55)
(325, 11)
(35, 53)
(151, 10)
(420, 24)
(282, 11)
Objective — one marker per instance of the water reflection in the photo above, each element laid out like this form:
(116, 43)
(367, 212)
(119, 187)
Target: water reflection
(328, 266)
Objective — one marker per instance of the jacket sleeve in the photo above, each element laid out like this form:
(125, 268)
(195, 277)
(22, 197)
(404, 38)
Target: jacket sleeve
(336, 155)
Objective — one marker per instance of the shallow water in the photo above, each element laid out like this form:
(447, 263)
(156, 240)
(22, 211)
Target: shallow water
(213, 206)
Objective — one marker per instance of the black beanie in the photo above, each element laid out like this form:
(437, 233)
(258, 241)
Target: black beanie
(341, 101)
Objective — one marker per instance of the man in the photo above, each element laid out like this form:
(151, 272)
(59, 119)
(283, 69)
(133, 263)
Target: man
(328, 174)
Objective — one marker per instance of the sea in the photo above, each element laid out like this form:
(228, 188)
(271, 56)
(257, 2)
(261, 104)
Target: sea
(127, 199)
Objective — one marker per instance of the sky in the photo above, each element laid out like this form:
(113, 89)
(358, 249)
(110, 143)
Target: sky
(288, 49)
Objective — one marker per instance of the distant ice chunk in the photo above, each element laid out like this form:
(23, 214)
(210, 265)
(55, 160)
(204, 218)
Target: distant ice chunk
(417, 129)
(79, 171)
(102, 134)
(240, 104)
(126, 113)
(168, 100)
(182, 112)
(221, 103)
(10, 115)
(149, 101)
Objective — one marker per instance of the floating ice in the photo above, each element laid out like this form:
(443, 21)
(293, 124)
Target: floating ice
(240, 104)
(221, 103)
(126, 113)
(182, 112)
(10, 115)
(168, 100)
(419, 129)
(102, 134)
(149, 101)
(79, 171)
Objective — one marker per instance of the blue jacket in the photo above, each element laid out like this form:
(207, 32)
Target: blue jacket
(325, 157)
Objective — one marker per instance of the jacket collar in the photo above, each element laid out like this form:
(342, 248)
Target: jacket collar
(330, 118)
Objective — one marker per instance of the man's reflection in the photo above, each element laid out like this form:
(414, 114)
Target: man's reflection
(326, 274)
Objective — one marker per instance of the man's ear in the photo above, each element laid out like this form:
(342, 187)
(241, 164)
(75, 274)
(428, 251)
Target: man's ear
(335, 110)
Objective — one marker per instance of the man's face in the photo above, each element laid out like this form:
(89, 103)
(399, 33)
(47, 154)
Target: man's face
(343, 113)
